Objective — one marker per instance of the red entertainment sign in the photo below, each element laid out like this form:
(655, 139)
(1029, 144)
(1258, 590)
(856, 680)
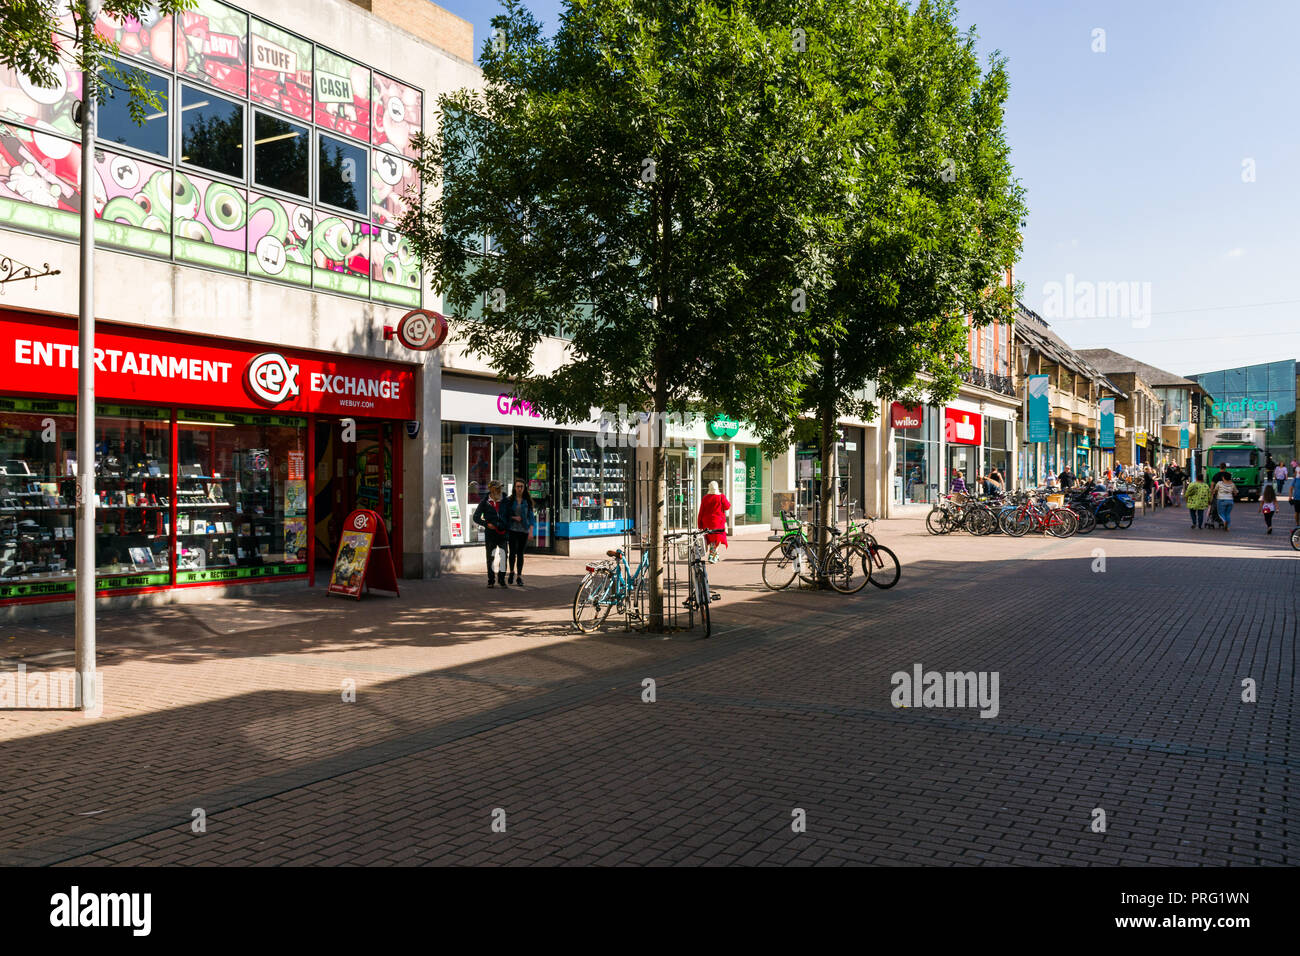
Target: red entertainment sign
(38, 356)
(904, 416)
(962, 428)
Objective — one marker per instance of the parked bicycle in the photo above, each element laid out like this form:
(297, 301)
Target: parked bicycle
(840, 563)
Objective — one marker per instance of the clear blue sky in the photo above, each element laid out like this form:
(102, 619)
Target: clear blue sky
(1133, 164)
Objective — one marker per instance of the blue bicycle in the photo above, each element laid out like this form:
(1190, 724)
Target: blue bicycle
(613, 584)
(610, 584)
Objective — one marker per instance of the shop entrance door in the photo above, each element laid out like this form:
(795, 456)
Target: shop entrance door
(682, 500)
(351, 475)
(535, 454)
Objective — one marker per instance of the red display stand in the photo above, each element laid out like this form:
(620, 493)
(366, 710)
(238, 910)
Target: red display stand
(365, 557)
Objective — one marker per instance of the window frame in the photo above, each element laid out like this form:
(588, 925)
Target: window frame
(179, 144)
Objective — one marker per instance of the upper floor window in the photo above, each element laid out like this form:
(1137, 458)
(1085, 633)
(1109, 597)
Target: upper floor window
(212, 132)
(114, 123)
(281, 155)
(342, 172)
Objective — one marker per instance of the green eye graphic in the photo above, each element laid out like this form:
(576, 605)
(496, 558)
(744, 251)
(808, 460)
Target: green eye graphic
(224, 206)
(185, 198)
(193, 229)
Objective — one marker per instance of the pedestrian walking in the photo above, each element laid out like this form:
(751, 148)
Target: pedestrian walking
(1224, 492)
(491, 517)
(713, 514)
(519, 522)
(1279, 477)
(958, 484)
(1066, 478)
(1050, 478)
(1148, 485)
(1176, 482)
(1198, 498)
(1268, 505)
(1295, 497)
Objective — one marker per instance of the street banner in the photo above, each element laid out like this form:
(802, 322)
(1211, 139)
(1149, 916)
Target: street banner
(1183, 437)
(1107, 424)
(364, 558)
(1039, 427)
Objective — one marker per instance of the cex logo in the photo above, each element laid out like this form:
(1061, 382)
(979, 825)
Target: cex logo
(361, 522)
(271, 378)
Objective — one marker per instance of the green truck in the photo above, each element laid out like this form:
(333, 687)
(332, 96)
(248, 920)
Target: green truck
(1243, 451)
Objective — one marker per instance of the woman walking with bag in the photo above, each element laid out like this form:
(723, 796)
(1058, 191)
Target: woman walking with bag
(490, 516)
(519, 521)
(1224, 492)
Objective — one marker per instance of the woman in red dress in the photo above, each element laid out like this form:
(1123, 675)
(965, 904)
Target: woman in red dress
(713, 514)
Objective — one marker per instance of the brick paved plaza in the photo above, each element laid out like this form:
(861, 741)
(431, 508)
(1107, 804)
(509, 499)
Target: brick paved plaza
(1118, 690)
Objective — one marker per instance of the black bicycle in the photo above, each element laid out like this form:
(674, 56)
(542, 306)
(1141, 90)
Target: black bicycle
(699, 596)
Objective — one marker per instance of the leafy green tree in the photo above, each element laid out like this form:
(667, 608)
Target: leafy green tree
(27, 44)
(641, 178)
(916, 213)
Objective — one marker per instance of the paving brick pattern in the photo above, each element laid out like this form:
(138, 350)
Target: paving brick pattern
(1119, 690)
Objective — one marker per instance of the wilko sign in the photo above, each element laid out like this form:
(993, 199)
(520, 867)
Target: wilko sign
(422, 330)
(961, 428)
(39, 357)
(904, 416)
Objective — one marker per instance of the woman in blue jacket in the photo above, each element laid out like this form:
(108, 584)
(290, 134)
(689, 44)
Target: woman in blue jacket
(519, 520)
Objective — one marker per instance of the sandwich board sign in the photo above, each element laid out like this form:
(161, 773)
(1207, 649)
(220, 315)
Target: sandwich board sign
(364, 558)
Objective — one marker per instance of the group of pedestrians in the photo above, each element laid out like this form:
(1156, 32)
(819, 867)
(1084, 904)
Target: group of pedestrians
(1217, 497)
(507, 525)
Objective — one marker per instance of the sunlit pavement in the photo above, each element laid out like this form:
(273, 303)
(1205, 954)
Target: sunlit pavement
(1120, 659)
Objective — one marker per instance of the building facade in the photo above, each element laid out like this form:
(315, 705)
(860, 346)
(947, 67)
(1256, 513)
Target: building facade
(1255, 396)
(247, 268)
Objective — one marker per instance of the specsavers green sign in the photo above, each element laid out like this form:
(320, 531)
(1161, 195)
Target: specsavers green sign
(723, 427)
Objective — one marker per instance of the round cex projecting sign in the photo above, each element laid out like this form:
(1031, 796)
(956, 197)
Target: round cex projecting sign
(422, 330)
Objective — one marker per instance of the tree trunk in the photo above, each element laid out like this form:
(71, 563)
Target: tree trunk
(829, 455)
(659, 513)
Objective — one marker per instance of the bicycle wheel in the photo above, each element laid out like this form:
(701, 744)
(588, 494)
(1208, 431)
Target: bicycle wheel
(934, 521)
(701, 578)
(1124, 521)
(1087, 520)
(779, 567)
(885, 569)
(844, 576)
(805, 562)
(1058, 524)
(1295, 539)
(1019, 523)
(591, 603)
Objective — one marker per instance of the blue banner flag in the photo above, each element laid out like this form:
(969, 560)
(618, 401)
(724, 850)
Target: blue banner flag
(1039, 427)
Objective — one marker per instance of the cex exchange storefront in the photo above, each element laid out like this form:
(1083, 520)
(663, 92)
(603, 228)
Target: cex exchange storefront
(217, 462)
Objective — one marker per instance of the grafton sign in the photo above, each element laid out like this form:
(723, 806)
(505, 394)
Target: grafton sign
(39, 358)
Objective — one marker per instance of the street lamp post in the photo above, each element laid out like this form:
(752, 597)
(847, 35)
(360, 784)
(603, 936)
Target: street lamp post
(85, 477)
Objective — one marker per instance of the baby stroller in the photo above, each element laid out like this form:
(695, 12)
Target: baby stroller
(1212, 519)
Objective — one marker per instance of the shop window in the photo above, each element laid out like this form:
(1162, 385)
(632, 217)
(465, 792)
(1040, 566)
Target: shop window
(341, 175)
(37, 489)
(212, 132)
(595, 484)
(479, 455)
(114, 123)
(281, 155)
(398, 114)
(133, 483)
(241, 496)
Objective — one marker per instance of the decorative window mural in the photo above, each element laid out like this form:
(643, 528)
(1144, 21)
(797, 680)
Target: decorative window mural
(148, 39)
(133, 201)
(398, 115)
(279, 239)
(39, 176)
(297, 120)
(342, 95)
(392, 181)
(208, 220)
(22, 101)
(341, 255)
(213, 46)
(394, 271)
(281, 65)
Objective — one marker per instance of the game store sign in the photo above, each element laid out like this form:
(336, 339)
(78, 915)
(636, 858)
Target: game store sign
(39, 356)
